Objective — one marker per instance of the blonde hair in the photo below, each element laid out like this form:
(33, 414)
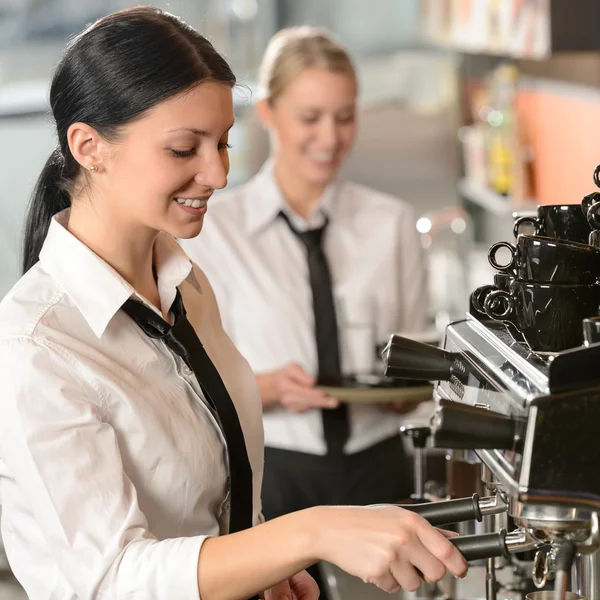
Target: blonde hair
(294, 49)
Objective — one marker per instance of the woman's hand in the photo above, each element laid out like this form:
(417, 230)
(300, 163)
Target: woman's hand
(280, 591)
(293, 388)
(299, 587)
(387, 546)
(384, 545)
(304, 587)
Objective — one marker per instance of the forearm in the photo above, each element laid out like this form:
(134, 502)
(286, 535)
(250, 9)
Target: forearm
(237, 566)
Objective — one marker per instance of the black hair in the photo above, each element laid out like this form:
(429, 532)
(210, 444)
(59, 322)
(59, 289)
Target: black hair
(119, 67)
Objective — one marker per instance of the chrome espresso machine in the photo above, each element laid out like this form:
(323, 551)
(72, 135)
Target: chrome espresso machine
(531, 417)
(534, 424)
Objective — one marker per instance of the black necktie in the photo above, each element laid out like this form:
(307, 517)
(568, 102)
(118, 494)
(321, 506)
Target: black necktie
(336, 425)
(183, 340)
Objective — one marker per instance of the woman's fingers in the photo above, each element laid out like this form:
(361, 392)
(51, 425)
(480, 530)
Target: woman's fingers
(436, 542)
(302, 399)
(298, 375)
(280, 591)
(406, 575)
(383, 578)
(448, 534)
(304, 587)
(428, 566)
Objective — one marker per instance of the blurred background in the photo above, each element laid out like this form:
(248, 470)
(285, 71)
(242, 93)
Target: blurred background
(471, 110)
(407, 143)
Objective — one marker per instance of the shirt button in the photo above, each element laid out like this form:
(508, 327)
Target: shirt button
(187, 371)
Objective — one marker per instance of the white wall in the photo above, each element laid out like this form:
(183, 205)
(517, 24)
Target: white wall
(365, 27)
(25, 144)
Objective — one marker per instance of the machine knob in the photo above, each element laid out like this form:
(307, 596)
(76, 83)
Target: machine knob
(407, 359)
(418, 435)
(457, 425)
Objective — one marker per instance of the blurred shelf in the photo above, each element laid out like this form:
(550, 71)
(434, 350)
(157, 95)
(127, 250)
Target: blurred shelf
(492, 201)
(526, 30)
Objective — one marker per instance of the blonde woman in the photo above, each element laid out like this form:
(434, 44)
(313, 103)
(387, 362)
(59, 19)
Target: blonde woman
(299, 258)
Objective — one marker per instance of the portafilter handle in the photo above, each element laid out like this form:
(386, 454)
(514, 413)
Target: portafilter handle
(446, 512)
(407, 359)
(492, 545)
(466, 427)
(478, 547)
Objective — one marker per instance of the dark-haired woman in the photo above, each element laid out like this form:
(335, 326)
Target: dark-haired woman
(131, 442)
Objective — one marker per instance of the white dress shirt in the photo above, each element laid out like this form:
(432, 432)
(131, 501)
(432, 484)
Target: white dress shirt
(113, 470)
(258, 269)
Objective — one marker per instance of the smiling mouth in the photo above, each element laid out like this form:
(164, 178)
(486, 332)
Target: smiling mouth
(192, 202)
(323, 157)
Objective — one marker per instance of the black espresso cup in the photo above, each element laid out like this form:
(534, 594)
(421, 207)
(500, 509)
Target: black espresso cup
(588, 201)
(559, 221)
(502, 281)
(597, 176)
(548, 316)
(542, 259)
(593, 212)
(591, 200)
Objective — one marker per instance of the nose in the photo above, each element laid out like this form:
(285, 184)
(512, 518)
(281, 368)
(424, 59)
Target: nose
(213, 169)
(329, 133)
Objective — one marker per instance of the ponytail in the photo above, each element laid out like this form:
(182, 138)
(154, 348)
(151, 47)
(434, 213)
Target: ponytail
(49, 198)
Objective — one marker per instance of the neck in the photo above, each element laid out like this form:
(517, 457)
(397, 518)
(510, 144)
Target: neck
(300, 194)
(128, 250)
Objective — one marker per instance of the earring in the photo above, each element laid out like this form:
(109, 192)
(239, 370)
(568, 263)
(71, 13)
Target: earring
(93, 168)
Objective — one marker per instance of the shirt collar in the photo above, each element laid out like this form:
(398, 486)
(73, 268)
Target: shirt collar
(94, 286)
(267, 201)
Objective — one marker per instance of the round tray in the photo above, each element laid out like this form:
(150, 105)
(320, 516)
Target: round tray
(376, 389)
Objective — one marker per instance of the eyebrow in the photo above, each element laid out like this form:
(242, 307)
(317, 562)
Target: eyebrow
(200, 132)
(309, 108)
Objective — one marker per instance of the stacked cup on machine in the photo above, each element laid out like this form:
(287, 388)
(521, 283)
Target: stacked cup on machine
(549, 285)
(590, 206)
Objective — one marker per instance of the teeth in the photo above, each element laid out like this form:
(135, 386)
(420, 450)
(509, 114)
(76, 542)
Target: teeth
(323, 157)
(194, 203)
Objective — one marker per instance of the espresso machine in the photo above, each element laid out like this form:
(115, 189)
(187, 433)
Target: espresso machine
(533, 422)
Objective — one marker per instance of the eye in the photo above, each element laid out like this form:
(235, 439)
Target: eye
(309, 120)
(346, 119)
(182, 153)
(224, 146)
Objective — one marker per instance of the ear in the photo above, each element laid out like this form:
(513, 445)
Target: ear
(264, 110)
(87, 146)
